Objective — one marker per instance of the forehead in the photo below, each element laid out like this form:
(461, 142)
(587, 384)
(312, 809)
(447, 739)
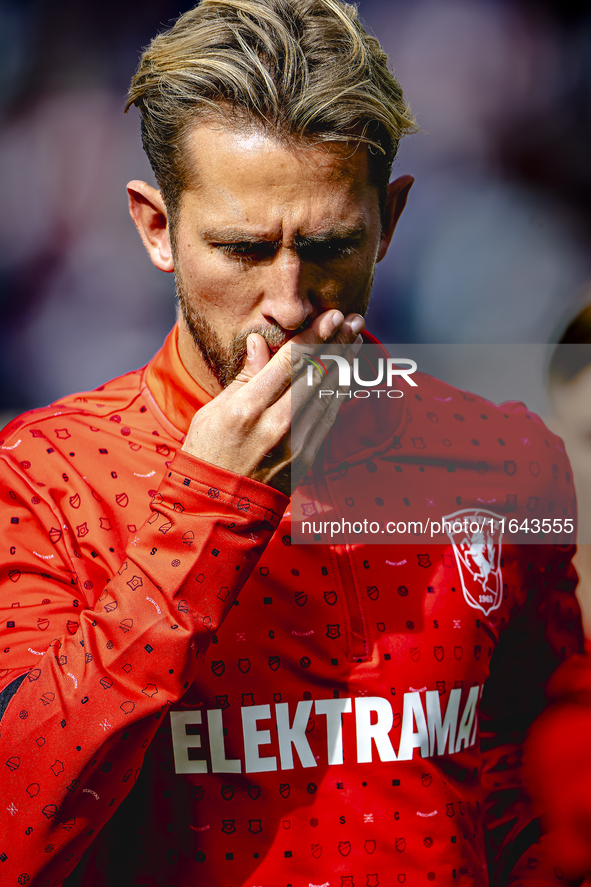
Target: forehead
(246, 174)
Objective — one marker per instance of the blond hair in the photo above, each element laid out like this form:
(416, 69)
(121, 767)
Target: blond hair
(303, 69)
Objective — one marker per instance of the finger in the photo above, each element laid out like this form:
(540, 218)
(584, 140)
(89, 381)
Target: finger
(351, 327)
(275, 373)
(270, 377)
(311, 423)
(257, 357)
(314, 389)
(310, 391)
(262, 381)
(329, 328)
(317, 361)
(322, 330)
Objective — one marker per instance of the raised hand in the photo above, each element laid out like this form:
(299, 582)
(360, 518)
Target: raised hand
(247, 428)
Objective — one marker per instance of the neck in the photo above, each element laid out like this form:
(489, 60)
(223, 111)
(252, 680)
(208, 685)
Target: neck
(194, 363)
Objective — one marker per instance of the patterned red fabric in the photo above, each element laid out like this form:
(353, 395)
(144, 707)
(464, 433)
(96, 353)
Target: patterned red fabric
(286, 714)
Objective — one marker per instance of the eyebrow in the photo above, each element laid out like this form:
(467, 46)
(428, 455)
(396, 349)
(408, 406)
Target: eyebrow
(336, 231)
(234, 235)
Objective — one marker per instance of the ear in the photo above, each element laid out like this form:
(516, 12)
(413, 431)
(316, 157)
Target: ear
(395, 203)
(148, 211)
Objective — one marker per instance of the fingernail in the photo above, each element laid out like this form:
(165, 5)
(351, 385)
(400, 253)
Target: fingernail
(250, 348)
(357, 324)
(337, 318)
(356, 345)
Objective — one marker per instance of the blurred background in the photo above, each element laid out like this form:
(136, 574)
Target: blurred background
(493, 246)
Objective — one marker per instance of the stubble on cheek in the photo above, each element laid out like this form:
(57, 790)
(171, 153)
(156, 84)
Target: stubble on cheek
(223, 361)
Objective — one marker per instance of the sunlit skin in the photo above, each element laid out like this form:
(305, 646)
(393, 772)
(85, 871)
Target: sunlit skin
(274, 238)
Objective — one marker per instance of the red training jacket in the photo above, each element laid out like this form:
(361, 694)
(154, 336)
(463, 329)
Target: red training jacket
(207, 705)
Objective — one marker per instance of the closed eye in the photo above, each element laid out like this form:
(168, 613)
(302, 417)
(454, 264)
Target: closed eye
(254, 251)
(312, 250)
(325, 250)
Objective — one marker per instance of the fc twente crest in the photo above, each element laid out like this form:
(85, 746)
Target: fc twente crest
(476, 538)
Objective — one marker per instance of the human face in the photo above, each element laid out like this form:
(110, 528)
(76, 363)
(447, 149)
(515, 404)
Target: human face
(269, 235)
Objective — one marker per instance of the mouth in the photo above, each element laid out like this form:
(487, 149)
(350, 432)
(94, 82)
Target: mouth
(278, 342)
(276, 337)
(275, 348)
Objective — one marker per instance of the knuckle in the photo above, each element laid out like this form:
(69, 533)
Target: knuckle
(284, 426)
(277, 426)
(242, 414)
(284, 361)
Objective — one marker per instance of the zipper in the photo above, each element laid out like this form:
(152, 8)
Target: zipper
(343, 564)
(358, 647)
(356, 636)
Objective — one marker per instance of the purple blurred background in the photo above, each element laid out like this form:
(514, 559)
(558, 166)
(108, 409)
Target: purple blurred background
(493, 245)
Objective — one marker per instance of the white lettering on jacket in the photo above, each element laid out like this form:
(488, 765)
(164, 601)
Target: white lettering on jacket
(253, 738)
(424, 728)
(294, 735)
(334, 709)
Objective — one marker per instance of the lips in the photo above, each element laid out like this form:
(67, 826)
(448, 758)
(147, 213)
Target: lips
(275, 346)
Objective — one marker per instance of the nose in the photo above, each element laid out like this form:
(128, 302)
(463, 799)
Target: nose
(286, 299)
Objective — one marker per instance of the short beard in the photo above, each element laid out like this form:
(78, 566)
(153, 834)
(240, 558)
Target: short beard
(224, 362)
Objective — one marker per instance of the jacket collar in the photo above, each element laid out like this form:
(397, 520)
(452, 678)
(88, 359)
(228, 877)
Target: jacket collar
(176, 393)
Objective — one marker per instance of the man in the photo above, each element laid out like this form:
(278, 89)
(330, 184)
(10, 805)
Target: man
(321, 727)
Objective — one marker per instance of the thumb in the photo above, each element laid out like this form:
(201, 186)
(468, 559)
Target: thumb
(257, 356)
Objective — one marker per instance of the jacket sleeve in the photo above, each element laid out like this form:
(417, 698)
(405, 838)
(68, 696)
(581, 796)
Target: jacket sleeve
(79, 714)
(544, 630)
